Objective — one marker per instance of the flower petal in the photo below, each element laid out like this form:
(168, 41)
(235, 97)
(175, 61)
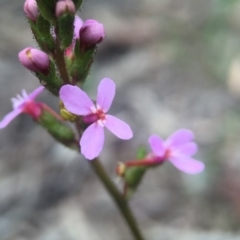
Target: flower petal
(24, 94)
(92, 141)
(9, 117)
(118, 127)
(188, 149)
(35, 93)
(78, 22)
(106, 93)
(187, 165)
(76, 100)
(157, 145)
(179, 138)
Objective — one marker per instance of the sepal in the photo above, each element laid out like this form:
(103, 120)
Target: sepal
(41, 30)
(65, 28)
(80, 65)
(51, 82)
(58, 130)
(47, 9)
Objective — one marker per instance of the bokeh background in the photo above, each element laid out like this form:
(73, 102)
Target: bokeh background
(176, 65)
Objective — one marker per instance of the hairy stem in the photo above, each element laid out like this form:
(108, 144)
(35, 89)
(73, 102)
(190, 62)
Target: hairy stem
(117, 197)
(60, 62)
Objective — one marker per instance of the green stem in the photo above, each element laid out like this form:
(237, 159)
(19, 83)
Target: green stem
(60, 62)
(117, 197)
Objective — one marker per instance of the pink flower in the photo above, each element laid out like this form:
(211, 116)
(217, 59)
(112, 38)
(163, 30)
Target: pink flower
(24, 104)
(77, 102)
(178, 149)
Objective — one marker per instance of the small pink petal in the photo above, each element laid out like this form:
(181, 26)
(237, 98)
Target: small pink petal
(106, 93)
(9, 117)
(92, 141)
(76, 100)
(35, 93)
(78, 22)
(157, 145)
(187, 165)
(118, 127)
(188, 149)
(179, 138)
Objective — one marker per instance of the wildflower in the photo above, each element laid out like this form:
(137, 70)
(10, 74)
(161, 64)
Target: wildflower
(24, 104)
(77, 102)
(91, 33)
(178, 149)
(35, 60)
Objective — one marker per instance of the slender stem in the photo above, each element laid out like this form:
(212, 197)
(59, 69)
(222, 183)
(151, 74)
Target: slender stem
(60, 62)
(117, 197)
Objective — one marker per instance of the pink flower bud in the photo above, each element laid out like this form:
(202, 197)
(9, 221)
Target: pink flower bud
(35, 60)
(64, 6)
(31, 9)
(91, 33)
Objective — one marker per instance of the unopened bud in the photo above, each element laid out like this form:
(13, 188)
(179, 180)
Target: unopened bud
(121, 169)
(65, 7)
(31, 9)
(35, 60)
(67, 115)
(91, 33)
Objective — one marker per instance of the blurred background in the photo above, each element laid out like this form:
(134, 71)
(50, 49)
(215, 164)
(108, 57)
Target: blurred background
(176, 65)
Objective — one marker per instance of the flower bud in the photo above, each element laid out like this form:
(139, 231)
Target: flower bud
(121, 169)
(91, 33)
(31, 9)
(67, 115)
(35, 60)
(64, 6)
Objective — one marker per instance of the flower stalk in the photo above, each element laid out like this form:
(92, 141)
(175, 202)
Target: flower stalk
(117, 197)
(60, 62)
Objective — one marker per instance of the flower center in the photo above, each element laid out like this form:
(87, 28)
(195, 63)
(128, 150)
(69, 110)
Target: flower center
(33, 109)
(101, 115)
(98, 116)
(167, 154)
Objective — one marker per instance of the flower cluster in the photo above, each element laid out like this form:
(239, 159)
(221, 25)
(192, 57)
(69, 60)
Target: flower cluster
(67, 47)
(62, 64)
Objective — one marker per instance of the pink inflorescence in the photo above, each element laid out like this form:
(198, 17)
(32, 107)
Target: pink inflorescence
(78, 102)
(23, 104)
(178, 149)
